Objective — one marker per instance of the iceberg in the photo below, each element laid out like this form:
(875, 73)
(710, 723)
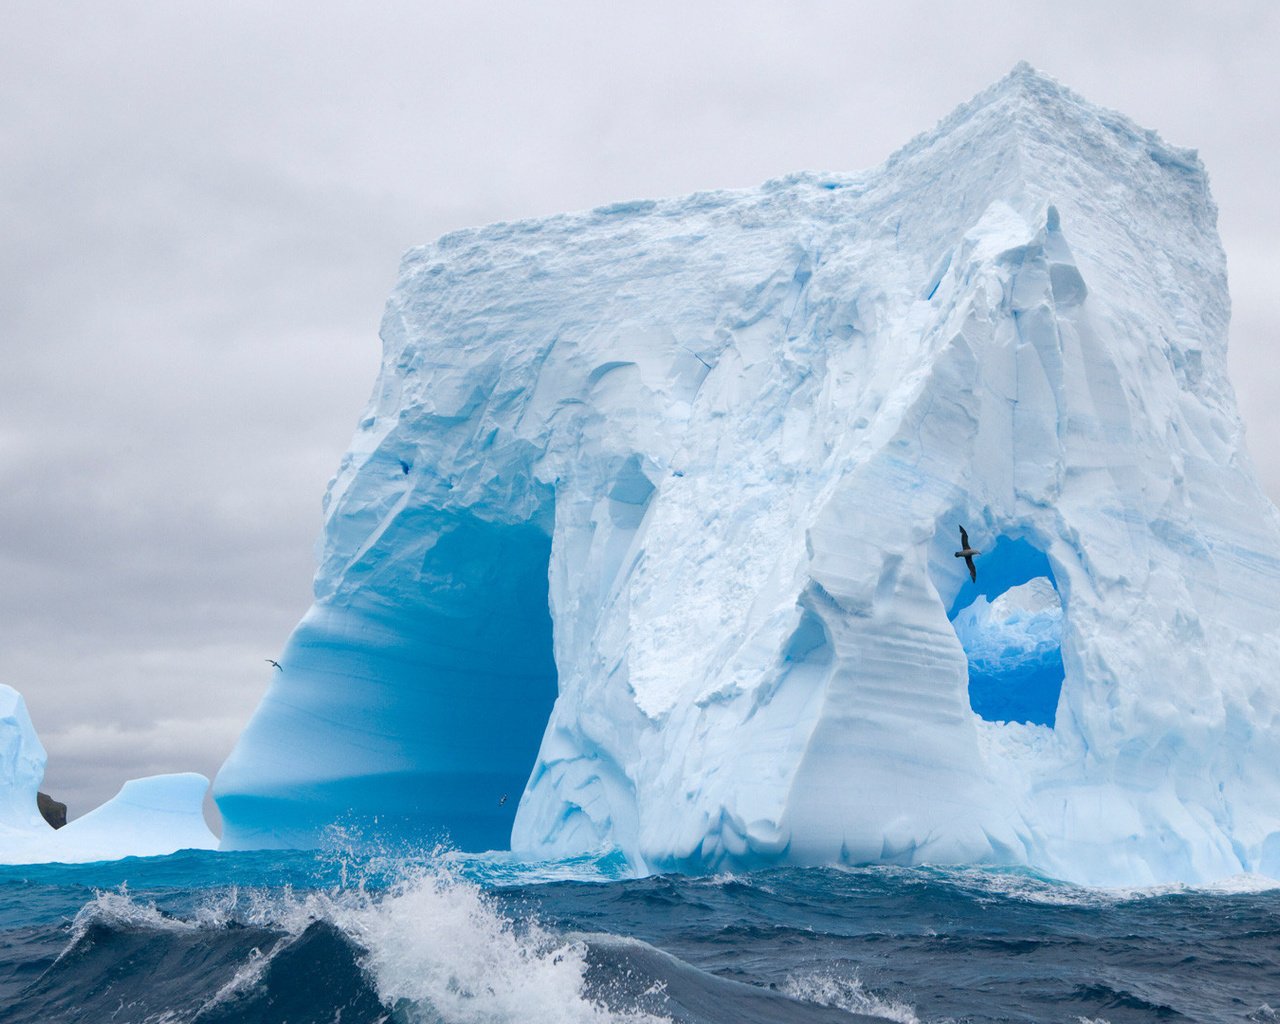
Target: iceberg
(645, 541)
(149, 817)
(23, 758)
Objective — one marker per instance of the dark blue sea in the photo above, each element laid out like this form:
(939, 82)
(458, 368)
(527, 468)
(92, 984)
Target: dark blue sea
(439, 937)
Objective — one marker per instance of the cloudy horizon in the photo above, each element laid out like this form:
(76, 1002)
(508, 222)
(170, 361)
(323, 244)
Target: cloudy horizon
(204, 211)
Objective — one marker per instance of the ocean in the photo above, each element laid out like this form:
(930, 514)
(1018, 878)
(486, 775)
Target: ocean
(347, 938)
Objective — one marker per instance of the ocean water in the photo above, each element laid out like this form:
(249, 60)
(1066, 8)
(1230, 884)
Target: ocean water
(439, 937)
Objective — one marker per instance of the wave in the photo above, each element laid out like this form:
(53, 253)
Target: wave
(398, 937)
(432, 948)
(437, 945)
(847, 992)
(634, 970)
(1025, 885)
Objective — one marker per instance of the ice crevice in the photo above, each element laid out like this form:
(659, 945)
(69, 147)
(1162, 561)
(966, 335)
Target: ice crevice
(673, 568)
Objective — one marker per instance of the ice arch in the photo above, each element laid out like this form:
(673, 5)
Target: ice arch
(1009, 623)
(412, 704)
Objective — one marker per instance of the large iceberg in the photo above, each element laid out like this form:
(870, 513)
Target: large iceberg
(156, 815)
(646, 539)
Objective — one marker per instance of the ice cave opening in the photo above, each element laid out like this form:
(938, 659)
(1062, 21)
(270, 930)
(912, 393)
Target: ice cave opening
(1009, 623)
(489, 673)
(413, 703)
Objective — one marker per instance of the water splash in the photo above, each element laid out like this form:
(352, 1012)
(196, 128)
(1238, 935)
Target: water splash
(433, 944)
(828, 988)
(438, 944)
(117, 908)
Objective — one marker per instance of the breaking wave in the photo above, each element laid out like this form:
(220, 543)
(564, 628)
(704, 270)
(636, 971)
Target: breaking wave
(403, 938)
(432, 948)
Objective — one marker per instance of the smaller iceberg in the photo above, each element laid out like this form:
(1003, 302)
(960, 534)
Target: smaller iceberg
(1014, 647)
(22, 760)
(149, 817)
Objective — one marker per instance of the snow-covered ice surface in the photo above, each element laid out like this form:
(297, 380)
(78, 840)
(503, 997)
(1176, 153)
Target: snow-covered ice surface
(149, 817)
(650, 523)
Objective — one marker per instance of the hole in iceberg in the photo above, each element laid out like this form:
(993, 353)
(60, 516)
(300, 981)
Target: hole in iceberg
(412, 705)
(1010, 625)
(488, 673)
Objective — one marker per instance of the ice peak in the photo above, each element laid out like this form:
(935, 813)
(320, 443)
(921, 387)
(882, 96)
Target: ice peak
(1025, 95)
(1029, 143)
(1029, 114)
(1028, 79)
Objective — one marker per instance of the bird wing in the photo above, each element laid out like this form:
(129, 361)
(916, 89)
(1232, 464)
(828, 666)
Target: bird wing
(973, 570)
(964, 539)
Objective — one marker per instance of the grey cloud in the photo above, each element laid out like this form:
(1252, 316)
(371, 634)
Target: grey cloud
(202, 208)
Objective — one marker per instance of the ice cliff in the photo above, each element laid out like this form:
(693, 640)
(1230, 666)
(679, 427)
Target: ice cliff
(649, 528)
(149, 817)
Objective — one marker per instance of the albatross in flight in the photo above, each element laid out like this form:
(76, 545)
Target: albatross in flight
(967, 554)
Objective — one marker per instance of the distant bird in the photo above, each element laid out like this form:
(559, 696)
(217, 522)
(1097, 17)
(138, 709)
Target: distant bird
(274, 664)
(502, 799)
(967, 554)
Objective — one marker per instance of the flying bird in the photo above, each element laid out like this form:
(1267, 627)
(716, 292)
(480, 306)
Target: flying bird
(273, 663)
(502, 799)
(967, 554)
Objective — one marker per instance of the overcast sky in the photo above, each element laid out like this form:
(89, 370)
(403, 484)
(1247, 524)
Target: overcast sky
(202, 207)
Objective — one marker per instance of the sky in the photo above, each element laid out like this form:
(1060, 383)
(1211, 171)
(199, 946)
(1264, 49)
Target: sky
(202, 208)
